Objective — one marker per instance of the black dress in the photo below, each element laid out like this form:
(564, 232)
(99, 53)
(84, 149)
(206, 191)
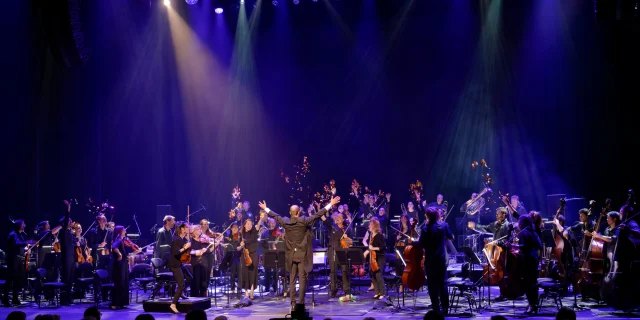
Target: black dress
(120, 275)
(199, 264)
(378, 283)
(249, 275)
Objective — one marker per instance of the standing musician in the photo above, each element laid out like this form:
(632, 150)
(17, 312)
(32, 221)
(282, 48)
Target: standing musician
(234, 267)
(243, 212)
(272, 234)
(338, 231)
(377, 245)
(529, 244)
(298, 244)
(119, 270)
(579, 229)
(208, 235)
(67, 262)
(200, 250)
(100, 239)
(518, 206)
(433, 240)
(249, 273)
(16, 247)
(179, 245)
(46, 236)
(81, 251)
(164, 239)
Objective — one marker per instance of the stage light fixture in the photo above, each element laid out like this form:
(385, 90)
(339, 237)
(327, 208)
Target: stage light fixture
(219, 10)
(296, 1)
(274, 2)
(191, 2)
(314, 0)
(241, 1)
(167, 2)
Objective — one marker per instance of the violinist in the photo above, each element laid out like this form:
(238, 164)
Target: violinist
(377, 245)
(208, 236)
(79, 244)
(200, 249)
(433, 240)
(234, 266)
(529, 244)
(179, 245)
(338, 238)
(46, 244)
(272, 234)
(249, 273)
(100, 239)
(439, 203)
(120, 270)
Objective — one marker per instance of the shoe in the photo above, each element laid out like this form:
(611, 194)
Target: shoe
(173, 309)
(381, 297)
(293, 306)
(532, 310)
(376, 296)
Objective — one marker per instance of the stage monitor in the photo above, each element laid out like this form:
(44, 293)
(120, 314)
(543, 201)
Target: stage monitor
(319, 257)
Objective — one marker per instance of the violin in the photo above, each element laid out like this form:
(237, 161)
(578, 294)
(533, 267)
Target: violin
(247, 257)
(130, 244)
(373, 262)
(56, 244)
(79, 253)
(186, 255)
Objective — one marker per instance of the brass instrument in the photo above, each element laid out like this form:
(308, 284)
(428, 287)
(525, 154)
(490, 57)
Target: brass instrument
(475, 204)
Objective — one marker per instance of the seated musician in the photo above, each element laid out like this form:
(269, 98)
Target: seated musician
(501, 229)
(338, 231)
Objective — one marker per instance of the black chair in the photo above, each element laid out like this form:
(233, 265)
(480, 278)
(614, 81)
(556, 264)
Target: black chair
(54, 287)
(142, 276)
(462, 288)
(84, 280)
(551, 290)
(162, 279)
(101, 286)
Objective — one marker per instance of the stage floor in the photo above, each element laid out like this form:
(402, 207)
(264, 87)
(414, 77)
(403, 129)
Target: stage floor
(268, 307)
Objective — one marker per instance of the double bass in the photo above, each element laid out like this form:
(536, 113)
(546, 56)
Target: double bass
(413, 274)
(561, 244)
(511, 284)
(592, 268)
(617, 285)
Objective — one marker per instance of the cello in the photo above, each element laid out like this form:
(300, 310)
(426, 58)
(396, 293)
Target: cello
(561, 243)
(413, 274)
(592, 268)
(511, 284)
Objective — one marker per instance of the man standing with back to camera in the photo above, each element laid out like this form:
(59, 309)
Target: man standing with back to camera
(433, 239)
(298, 249)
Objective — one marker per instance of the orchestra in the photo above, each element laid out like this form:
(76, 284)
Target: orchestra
(514, 254)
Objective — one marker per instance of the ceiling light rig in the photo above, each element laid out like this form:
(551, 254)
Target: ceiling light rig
(191, 2)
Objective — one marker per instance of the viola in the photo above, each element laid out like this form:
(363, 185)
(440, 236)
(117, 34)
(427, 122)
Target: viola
(247, 257)
(79, 254)
(413, 274)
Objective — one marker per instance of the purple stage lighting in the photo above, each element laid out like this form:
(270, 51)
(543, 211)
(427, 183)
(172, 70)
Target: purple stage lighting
(274, 2)
(296, 1)
(219, 10)
(191, 1)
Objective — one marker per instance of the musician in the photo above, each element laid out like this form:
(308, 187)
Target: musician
(463, 209)
(518, 206)
(249, 274)
(78, 241)
(233, 241)
(439, 204)
(377, 245)
(433, 239)
(626, 212)
(16, 245)
(412, 213)
(46, 237)
(404, 227)
(538, 224)
(67, 262)
(199, 251)
(179, 245)
(529, 243)
(273, 233)
(500, 228)
(613, 220)
(119, 270)
(298, 245)
(100, 239)
(209, 256)
(580, 228)
(244, 212)
(164, 239)
(338, 231)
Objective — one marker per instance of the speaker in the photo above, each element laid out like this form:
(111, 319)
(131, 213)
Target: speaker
(161, 211)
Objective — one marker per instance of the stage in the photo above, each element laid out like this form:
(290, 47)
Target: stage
(268, 307)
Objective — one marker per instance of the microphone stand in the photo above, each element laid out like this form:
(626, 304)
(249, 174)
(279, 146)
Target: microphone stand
(137, 226)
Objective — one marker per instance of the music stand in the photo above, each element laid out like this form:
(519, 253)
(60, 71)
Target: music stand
(473, 260)
(273, 259)
(227, 262)
(279, 245)
(350, 256)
